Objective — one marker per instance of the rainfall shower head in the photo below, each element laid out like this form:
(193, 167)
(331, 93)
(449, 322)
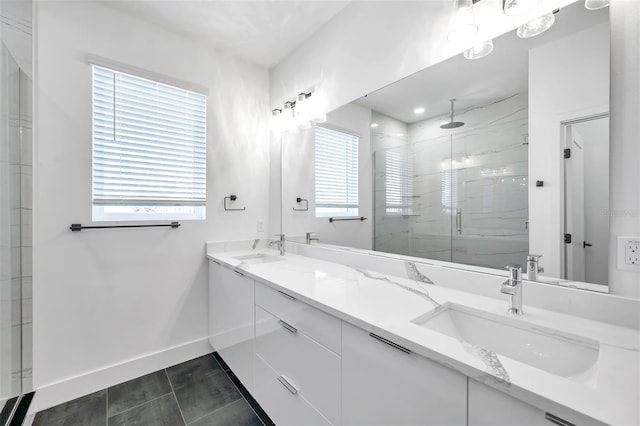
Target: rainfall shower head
(451, 124)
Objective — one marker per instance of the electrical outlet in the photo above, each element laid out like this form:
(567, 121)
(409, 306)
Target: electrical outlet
(260, 227)
(632, 253)
(629, 253)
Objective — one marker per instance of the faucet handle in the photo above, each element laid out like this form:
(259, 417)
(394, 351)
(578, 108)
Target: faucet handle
(515, 272)
(533, 257)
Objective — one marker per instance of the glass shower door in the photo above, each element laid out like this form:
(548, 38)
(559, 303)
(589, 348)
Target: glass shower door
(489, 204)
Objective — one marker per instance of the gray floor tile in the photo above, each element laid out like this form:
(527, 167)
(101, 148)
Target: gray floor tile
(162, 411)
(238, 413)
(137, 391)
(181, 374)
(205, 395)
(89, 410)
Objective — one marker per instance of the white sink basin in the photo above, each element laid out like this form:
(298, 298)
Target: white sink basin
(253, 259)
(556, 352)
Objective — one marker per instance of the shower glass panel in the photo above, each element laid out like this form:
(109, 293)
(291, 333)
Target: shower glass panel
(10, 256)
(412, 211)
(491, 206)
(15, 227)
(459, 198)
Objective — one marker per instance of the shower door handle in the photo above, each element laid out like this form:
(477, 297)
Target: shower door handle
(459, 221)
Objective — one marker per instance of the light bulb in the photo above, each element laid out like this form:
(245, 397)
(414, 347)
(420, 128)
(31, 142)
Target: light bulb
(463, 24)
(537, 26)
(518, 7)
(479, 50)
(596, 4)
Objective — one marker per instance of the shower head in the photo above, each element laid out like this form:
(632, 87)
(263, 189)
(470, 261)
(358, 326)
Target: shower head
(451, 124)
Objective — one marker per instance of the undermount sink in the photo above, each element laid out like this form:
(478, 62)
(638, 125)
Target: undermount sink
(253, 259)
(556, 352)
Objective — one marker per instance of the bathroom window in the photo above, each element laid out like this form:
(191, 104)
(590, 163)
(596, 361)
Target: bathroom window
(398, 183)
(149, 149)
(336, 156)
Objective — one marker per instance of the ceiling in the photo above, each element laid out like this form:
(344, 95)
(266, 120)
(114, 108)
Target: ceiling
(259, 31)
(475, 82)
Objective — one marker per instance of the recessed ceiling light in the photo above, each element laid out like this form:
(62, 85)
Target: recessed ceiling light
(418, 110)
(374, 125)
(400, 135)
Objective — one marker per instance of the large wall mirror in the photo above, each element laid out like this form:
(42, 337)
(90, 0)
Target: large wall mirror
(518, 164)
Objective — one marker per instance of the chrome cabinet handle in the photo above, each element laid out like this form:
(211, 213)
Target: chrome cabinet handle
(557, 420)
(287, 385)
(459, 221)
(288, 326)
(239, 273)
(286, 295)
(390, 343)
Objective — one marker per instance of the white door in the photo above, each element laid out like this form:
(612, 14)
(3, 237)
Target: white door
(574, 204)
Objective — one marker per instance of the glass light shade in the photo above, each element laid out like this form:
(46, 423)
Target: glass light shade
(479, 50)
(518, 7)
(463, 24)
(537, 26)
(301, 105)
(596, 4)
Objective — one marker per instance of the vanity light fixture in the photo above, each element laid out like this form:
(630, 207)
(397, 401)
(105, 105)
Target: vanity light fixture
(463, 24)
(536, 26)
(479, 50)
(518, 7)
(297, 114)
(596, 4)
(374, 125)
(418, 110)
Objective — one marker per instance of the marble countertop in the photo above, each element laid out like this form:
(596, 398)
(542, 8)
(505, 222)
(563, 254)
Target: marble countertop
(386, 305)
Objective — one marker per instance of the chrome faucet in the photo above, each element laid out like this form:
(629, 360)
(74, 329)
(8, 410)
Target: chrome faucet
(309, 238)
(279, 242)
(513, 287)
(533, 267)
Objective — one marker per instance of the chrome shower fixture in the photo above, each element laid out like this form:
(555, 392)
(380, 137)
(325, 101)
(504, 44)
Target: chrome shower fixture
(451, 124)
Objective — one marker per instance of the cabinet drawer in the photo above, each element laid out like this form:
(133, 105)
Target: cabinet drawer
(321, 327)
(281, 400)
(313, 368)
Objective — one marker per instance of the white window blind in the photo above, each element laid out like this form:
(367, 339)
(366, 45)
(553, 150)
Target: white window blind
(149, 142)
(336, 156)
(398, 182)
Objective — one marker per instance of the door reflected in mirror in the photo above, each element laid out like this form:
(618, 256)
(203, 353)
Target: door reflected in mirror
(494, 186)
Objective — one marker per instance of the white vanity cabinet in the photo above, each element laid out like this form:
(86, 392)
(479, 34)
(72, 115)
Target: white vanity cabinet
(232, 320)
(490, 407)
(382, 384)
(297, 360)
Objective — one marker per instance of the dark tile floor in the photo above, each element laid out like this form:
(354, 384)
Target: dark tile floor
(203, 391)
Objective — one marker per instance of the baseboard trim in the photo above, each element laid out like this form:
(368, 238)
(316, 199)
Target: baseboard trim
(74, 387)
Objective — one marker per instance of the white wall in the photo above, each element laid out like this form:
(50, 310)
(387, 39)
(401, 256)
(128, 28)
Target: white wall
(298, 177)
(105, 297)
(559, 90)
(625, 128)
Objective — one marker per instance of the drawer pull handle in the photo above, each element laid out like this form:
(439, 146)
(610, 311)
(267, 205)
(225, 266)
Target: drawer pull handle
(239, 273)
(557, 420)
(287, 385)
(288, 326)
(286, 295)
(390, 343)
